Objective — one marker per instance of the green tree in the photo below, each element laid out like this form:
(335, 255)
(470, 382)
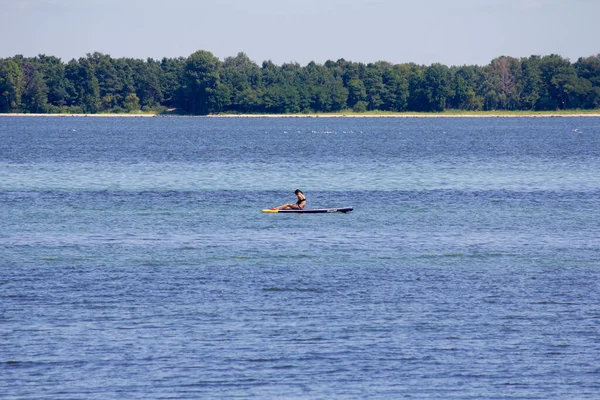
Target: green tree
(339, 94)
(530, 81)
(321, 90)
(315, 79)
(489, 86)
(436, 81)
(337, 89)
(577, 90)
(417, 98)
(356, 92)
(282, 92)
(281, 99)
(589, 68)
(395, 92)
(35, 92)
(146, 77)
(375, 89)
(84, 84)
(172, 78)
(11, 86)
(132, 103)
(201, 89)
(464, 85)
(242, 78)
(114, 80)
(556, 73)
(53, 71)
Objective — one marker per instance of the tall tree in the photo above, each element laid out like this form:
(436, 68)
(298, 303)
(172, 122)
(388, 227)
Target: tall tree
(202, 92)
(146, 77)
(464, 85)
(556, 73)
(86, 90)
(243, 79)
(437, 83)
(395, 87)
(589, 68)
(11, 86)
(53, 71)
(172, 77)
(507, 71)
(35, 91)
(374, 86)
(530, 81)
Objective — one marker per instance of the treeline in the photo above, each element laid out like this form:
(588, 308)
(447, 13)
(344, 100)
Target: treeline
(203, 84)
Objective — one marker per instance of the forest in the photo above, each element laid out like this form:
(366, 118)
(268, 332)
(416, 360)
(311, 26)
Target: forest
(202, 84)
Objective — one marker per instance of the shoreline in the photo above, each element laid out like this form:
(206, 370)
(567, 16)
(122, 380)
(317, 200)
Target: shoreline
(552, 115)
(399, 115)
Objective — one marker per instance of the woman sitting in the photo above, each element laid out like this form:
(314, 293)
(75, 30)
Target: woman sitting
(299, 204)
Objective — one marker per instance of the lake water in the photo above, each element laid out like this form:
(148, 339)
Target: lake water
(135, 262)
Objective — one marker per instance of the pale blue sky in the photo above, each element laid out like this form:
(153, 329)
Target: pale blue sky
(452, 32)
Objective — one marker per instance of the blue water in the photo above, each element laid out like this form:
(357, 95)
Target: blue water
(135, 262)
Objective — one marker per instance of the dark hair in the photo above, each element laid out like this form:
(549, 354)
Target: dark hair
(298, 191)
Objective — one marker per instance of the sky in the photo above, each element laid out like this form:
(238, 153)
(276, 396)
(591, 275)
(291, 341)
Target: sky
(450, 32)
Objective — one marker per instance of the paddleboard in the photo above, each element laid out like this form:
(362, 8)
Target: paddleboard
(311, 210)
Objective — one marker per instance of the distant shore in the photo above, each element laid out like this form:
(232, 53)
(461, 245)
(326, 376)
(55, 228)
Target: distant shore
(486, 114)
(410, 115)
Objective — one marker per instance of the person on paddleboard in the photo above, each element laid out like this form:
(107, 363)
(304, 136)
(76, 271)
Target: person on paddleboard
(299, 205)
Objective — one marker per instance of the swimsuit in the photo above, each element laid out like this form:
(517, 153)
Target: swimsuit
(300, 201)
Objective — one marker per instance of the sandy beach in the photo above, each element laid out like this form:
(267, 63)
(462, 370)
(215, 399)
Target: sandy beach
(78, 115)
(399, 115)
(491, 115)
